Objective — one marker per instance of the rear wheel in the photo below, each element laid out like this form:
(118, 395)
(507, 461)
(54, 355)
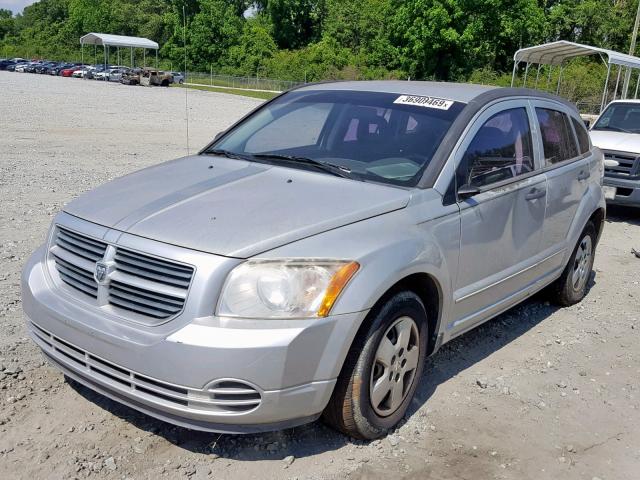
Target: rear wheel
(571, 287)
(382, 369)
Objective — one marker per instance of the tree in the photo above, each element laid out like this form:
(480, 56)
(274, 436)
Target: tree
(296, 23)
(7, 23)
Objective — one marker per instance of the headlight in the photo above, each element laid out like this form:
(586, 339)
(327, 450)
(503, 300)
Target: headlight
(284, 288)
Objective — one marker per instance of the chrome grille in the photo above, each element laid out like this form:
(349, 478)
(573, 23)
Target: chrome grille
(628, 164)
(80, 245)
(75, 256)
(143, 287)
(147, 285)
(229, 396)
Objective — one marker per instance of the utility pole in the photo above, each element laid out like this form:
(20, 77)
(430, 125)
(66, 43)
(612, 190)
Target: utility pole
(632, 50)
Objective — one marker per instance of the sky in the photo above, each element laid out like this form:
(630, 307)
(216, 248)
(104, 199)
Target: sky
(15, 6)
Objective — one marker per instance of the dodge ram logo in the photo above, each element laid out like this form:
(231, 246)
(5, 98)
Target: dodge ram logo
(100, 274)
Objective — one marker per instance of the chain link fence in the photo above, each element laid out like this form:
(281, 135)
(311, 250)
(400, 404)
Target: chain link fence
(245, 83)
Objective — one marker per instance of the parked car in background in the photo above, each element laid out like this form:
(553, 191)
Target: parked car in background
(57, 70)
(311, 257)
(22, 67)
(115, 75)
(4, 64)
(177, 77)
(150, 77)
(31, 66)
(84, 71)
(131, 77)
(617, 133)
(45, 67)
(68, 72)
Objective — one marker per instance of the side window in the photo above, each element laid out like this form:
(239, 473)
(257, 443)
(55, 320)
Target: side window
(583, 136)
(557, 138)
(500, 150)
(298, 128)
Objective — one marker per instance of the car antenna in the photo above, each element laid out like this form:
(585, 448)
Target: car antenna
(186, 88)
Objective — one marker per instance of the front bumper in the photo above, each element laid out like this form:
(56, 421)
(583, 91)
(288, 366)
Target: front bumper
(286, 370)
(628, 191)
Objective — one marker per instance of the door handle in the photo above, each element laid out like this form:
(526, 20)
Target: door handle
(535, 193)
(583, 175)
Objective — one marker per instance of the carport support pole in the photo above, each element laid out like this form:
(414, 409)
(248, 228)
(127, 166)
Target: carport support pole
(559, 79)
(118, 53)
(82, 56)
(606, 85)
(549, 76)
(538, 75)
(144, 58)
(104, 51)
(635, 95)
(615, 92)
(513, 75)
(131, 48)
(526, 72)
(156, 58)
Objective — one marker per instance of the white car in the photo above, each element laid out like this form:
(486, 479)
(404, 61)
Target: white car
(81, 72)
(617, 133)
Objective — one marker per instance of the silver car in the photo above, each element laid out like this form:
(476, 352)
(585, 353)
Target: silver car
(309, 259)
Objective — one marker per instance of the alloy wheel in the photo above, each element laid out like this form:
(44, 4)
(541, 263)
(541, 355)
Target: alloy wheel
(582, 264)
(394, 366)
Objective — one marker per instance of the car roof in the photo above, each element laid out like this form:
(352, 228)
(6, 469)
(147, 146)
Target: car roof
(461, 92)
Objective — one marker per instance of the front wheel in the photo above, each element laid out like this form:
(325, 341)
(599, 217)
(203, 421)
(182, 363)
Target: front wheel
(382, 369)
(571, 287)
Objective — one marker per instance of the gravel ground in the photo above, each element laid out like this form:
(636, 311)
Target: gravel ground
(538, 393)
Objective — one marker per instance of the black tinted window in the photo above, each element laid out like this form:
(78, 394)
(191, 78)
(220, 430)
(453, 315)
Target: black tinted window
(557, 138)
(500, 150)
(583, 136)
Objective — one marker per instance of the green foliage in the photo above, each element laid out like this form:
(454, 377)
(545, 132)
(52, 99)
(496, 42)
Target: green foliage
(296, 22)
(335, 39)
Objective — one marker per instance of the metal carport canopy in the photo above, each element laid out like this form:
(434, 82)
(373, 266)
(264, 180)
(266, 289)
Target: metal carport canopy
(109, 40)
(555, 53)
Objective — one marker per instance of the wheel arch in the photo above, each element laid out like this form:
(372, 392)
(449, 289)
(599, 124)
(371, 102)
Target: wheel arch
(429, 290)
(597, 218)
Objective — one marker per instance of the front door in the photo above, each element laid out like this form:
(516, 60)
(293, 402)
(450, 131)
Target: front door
(502, 222)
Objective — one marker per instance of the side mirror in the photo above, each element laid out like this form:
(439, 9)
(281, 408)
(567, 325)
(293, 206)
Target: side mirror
(219, 134)
(587, 123)
(467, 191)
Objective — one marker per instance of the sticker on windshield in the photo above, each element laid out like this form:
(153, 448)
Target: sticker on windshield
(427, 102)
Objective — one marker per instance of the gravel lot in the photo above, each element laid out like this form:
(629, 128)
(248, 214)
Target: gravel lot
(538, 393)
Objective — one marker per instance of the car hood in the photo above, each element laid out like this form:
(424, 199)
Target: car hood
(618, 141)
(232, 207)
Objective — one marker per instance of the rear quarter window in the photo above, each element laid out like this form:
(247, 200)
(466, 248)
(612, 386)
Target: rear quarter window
(582, 134)
(557, 136)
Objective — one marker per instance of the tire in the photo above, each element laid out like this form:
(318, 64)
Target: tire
(572, 285)
(358, 409)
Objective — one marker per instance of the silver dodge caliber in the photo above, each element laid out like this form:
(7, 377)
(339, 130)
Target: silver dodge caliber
(307, 261)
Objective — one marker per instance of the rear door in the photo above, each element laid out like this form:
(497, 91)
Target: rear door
(502, 224)
(567, 166)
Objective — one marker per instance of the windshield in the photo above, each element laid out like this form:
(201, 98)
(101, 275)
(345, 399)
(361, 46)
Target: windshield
(369, 136)
(620, 117)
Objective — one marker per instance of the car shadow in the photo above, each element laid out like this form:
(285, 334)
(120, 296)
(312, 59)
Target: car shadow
(315, 438)
(622, 214)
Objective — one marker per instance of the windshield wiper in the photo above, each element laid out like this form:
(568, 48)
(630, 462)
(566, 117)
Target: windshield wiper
(333, 169)
(228, 154)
